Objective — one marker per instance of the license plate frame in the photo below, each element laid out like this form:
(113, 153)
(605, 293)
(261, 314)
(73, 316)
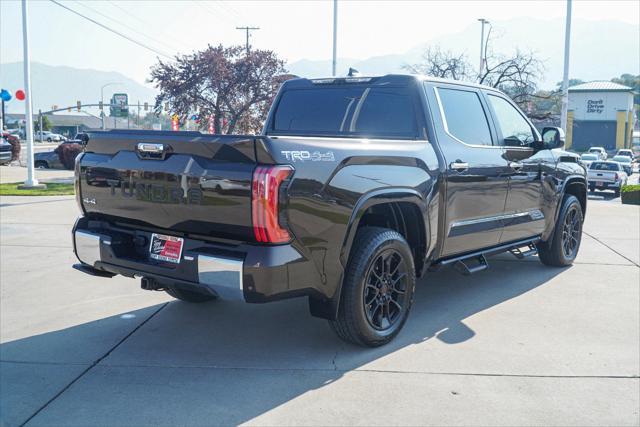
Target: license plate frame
(599, 184)
(166, 248)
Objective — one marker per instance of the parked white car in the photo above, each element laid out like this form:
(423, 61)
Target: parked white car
(600, 151)
(48, 136)
(626, 163)
(587, 158)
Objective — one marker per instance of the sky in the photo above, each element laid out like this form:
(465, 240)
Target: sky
(295, 30)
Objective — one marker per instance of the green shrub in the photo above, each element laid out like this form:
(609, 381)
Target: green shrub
(630, 194)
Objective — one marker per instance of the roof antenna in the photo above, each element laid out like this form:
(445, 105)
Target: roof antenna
(353, 72)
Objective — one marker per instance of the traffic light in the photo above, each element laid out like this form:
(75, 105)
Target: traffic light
(100, 105)
(146, 106)
(54, 107)
(79, 105)
(166, 107)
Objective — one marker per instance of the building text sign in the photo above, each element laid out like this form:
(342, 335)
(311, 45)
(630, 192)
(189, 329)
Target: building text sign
(595, 106)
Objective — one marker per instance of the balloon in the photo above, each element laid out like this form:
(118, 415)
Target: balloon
(20, 95)
(5, 95)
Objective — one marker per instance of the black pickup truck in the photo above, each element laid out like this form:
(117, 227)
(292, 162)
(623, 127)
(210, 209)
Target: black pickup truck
(356, 187)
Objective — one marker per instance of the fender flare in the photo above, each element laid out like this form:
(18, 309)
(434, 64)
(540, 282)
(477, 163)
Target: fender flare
(328, 309)
(378, 197)
(569, 180)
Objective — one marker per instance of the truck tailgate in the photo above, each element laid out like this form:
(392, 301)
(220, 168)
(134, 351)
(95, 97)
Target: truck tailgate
(185, 182)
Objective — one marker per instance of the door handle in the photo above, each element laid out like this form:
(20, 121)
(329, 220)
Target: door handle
(459, 166)
(515, 165)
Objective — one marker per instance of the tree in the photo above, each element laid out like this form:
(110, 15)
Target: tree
(631, 81)
(516, 75)
(233, 86)
(443, 64)
(46, 124)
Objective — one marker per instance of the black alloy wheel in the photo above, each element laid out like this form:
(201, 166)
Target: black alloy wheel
(385, 290)
(571, 232)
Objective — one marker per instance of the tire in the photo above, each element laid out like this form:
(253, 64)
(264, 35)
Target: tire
(41, 164)
(48, 139)
(558, 252)
(616, 193)
(592, 189)
(189, 296)
(377, 292)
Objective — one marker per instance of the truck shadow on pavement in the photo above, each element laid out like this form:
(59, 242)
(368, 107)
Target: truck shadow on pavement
(223, 363)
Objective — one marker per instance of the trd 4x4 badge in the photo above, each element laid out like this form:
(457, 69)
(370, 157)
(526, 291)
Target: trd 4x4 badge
(314, 156)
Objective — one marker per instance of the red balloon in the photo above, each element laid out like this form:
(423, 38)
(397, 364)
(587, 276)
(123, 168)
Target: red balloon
(20, 95)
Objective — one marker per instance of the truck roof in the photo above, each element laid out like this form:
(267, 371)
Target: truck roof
(401, 79)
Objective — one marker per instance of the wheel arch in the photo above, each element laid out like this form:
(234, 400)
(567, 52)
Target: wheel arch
(576, 186)
(401, 209)
(404, 205)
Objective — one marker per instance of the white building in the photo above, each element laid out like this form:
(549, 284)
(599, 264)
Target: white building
(600, 114)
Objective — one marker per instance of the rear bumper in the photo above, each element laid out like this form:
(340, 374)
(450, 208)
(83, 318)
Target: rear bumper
(244, 272)
(603, 184)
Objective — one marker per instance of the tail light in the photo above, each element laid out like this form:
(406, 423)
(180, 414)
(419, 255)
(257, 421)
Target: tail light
(265, 201)
(76, 181)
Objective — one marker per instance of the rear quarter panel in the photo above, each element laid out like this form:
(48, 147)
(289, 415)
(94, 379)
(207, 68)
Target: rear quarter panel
(335, 175)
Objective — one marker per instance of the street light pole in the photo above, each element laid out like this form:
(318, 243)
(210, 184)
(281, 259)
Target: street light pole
(335, 37)
(31, 181)
(565, 74)
(483, 22)
(102, 101)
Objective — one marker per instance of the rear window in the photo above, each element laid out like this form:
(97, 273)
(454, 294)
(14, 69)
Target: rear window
(589, 157)
(384, 112)
(605, 167)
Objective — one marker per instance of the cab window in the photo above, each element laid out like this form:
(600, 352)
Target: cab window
(516, 131)
(464, 116)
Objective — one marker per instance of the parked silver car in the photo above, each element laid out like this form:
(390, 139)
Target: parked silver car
(607, 175)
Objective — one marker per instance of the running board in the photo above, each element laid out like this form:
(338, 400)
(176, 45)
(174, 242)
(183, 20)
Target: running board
(475, 262)
(462, 266)
(521, 254)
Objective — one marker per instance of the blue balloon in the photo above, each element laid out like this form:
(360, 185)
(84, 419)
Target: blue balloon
(5, 95)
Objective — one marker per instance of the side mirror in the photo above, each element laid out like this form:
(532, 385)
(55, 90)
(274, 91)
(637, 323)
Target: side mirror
(552, 137)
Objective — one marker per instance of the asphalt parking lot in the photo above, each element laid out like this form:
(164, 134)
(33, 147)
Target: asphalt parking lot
(519, 344)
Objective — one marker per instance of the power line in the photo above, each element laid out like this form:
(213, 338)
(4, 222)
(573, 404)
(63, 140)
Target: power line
(124, 25)
(142, 21)
(113, 31)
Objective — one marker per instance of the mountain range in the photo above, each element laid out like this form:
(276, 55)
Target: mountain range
(600, 50)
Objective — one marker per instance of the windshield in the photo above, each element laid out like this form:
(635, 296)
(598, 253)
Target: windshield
(601, 166)
(589, 157)
(595, 150)
(383, 112)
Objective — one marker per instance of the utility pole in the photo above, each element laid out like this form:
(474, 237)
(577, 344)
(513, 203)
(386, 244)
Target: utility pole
(247, 29)
(335, 37)
(31, 181)
(40, 124)
(565, 75)
(482, 59)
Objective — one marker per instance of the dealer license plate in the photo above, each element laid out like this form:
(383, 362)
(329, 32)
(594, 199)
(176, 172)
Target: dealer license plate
(166, 248)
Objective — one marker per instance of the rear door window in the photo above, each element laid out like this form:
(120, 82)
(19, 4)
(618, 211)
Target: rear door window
(464, 116)
(385, 112)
